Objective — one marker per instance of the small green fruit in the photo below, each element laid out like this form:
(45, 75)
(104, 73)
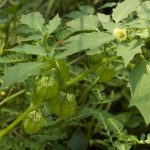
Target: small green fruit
(46, 88)
(105, 72)
(33, 122)
(63, 106)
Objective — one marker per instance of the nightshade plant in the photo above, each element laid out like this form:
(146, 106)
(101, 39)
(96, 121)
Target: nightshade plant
(76, 73)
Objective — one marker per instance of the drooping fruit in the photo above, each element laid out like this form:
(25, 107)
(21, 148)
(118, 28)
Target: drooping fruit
(63, 106)
(105, 72)
(46, 88)
(33, 122)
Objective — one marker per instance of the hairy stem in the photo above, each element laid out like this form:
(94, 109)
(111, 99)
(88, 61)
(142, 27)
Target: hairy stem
(11, 97)
(49, 6)
(85, 73)
(82, 75)
(14, 123)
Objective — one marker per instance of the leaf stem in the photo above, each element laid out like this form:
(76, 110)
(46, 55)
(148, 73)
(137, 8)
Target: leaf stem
(11, 97)
(75, 60)
(14, 123)
(85, 73)
(49, 6)
(82, 75)
(86, 91)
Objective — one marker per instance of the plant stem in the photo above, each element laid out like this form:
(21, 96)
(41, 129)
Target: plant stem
(98, 141)
(49, 7)
(101, 119)
(81, 76)
(11, 97)
(2, 3)
(86, 91)
(85, 73)
(14, 123)
(75, 60)
(7, 28)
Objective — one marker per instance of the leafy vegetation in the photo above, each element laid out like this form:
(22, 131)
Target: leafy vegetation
(74, 75)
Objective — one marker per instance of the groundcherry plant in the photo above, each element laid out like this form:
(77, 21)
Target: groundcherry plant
(75, 71)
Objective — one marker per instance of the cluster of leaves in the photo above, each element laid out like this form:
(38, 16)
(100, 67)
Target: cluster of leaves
(74, 50)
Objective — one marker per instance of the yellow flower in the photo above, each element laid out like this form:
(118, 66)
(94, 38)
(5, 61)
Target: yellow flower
(120, 34)
(2, 93)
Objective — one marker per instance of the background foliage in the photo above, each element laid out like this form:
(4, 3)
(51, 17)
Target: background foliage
(73, 41)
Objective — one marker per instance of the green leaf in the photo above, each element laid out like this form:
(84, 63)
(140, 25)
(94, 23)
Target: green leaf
(124, 9)
(74, 38)
(128, 50)
(140, 24)
(34, 37)
(135, 76)
(74, 14)
(86, 41)
(144, 11)
(34, 20)
(94, 51)
(29, 49)
(13, 58)
(86, 9)
(77, 142)
(110, 26)
(87, 22)
(107, 5)
(115, 126)
(106, 22)
(103, 17)
(139, 84)
(122, 146)
(19, 73)
(63, 34)
(145, 33)
(53, 25)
